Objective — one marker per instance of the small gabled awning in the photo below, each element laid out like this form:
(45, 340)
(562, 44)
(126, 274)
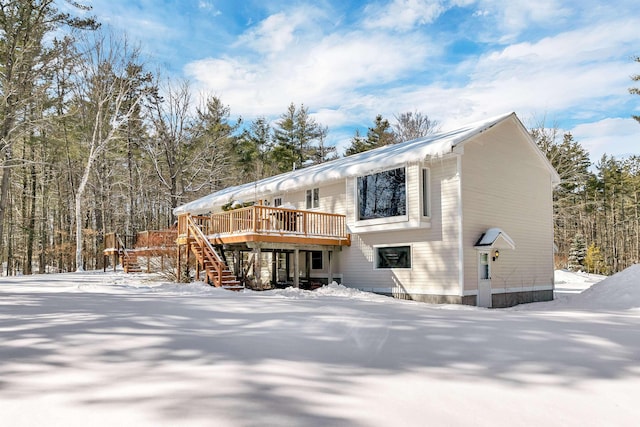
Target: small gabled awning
(495, 238)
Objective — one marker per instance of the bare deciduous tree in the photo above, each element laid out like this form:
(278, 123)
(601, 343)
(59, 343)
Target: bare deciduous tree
(413, 125)
(108, 75)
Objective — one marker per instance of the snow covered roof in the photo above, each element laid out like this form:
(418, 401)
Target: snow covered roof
(356, 165)
(495, 238)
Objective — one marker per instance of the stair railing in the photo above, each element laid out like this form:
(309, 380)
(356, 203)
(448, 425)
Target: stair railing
(207, 249)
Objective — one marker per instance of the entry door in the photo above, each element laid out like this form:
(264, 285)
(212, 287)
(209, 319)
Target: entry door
(484, 279)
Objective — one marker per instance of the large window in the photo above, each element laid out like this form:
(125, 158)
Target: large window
(393, 257)
(382, 195)
(313, 198)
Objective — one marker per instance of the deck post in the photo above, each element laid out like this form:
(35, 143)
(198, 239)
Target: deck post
(179, 264)
(188, 255)
(330, 266)
(115, 259)
(257, 268)
(237, 262)
(197, 267)
(296, 268)
(274, 268)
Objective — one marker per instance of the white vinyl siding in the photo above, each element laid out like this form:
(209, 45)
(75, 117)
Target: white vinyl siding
(504, 185)
(434, 249)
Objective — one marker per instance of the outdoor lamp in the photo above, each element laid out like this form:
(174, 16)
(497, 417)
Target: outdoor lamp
(496, 254)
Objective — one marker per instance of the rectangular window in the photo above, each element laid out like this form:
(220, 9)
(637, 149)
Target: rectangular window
(313, 198)
(426, 211)
(382, 195)
(316, 260)
(393, 257)
(277, 201)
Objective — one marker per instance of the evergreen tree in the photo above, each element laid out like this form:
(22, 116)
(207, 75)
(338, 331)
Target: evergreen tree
(295, 135)
(24, 27)
(251, 151)
(377, 136)
(358, 144)
(380, 134)
(635, 90)
(323, 152)
(213, 135)
(577, 253)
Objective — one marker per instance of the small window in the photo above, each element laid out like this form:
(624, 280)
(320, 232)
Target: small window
(426, 208)
(277, 201)
(394, 257)
(313, 198)
(316, 260)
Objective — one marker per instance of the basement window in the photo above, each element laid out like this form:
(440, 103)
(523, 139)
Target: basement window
(316, 260)
(393, 257)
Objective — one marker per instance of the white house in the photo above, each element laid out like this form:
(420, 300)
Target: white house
(463, 216)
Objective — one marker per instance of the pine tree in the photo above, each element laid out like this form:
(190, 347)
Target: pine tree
(377, 136)
(24, 29)
(251, 151)
(359, 144)
(295, 138)
(577, 253)
(381, 134)
(635, 90)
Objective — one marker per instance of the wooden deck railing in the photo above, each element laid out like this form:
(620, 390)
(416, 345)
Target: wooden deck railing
(270, 220)
(144, 239)
(156, 239)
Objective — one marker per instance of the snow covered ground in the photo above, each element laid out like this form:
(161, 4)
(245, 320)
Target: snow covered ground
(109, 349)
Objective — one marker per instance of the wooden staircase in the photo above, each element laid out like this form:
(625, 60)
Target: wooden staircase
(129, 261)
(216, 271)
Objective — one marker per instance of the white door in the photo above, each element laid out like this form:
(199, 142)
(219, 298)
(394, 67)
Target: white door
(484, 279)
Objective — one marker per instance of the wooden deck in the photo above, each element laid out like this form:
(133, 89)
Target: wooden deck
(128, 249)
(269, 225)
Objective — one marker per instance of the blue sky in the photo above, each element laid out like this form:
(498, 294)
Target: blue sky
(565, 62)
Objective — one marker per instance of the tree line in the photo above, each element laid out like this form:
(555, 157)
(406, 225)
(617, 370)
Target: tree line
(92, 141)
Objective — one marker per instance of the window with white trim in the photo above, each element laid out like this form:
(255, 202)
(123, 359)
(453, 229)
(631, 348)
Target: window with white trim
(426, 203)
(383, 194)
(313, 198)
(277, 201)
(393, 257)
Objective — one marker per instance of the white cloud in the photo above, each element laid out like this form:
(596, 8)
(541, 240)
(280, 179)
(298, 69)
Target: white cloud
(403, 14)
(329, 70)
(347, 76)
(208, 6)
(614, 136)
(274, 34)
(517, 15)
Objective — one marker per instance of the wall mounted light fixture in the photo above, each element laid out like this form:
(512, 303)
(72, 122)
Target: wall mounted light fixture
(496, 254)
